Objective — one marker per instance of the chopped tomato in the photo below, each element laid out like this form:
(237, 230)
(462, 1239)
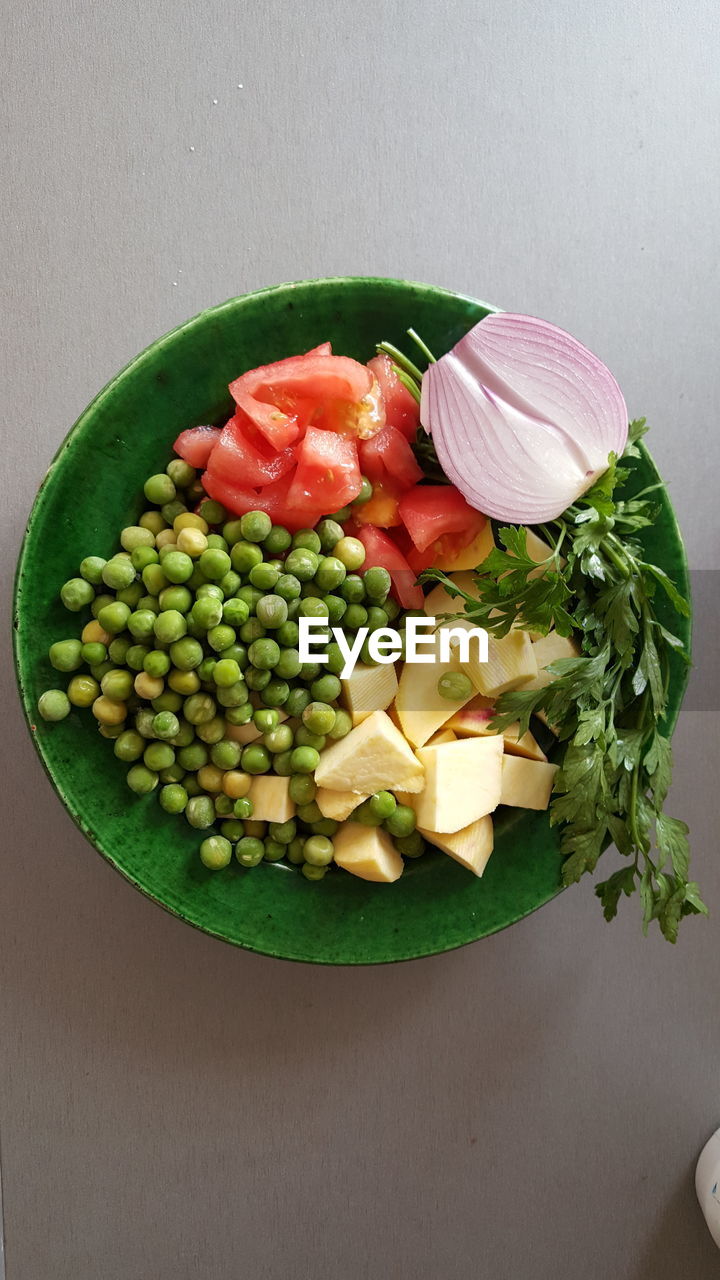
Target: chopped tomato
(277, 397)
(382, 509)
(233, 497)
(328, 473)
(388, 456)
(401, 409)
(196, 444)
(243, 457)
(381, 550)
(283, 509)
(433, 511)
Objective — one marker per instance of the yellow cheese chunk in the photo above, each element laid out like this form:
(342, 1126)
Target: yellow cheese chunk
(367, 852)
(420, 709)
(337, 804)
(511, 663)
(445, 735)
(526, 784)
(271, 799)
(372, 757)
(471, 846)
(547, 649)
(369, 689)
(462, 783)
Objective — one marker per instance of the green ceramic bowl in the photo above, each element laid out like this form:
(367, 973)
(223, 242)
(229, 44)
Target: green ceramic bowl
(93, 489)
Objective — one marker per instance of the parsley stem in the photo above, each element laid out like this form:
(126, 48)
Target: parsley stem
(423, 347)
(620, 563)
(400, 360)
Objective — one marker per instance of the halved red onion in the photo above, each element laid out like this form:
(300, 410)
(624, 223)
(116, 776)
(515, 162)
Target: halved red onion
(523, 417)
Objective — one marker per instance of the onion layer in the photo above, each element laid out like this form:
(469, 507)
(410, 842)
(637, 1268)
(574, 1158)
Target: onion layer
(523, 417)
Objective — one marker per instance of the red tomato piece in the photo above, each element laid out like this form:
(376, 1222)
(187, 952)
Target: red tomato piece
(196, 444)
(388, 459)
(233, 497)
(246, 461)
(381, 550)
(325, 349)
(328, 473)
(276, 396)
(401, 409)
(430, 511)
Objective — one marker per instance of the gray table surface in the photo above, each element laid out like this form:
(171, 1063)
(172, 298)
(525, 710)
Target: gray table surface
(531, 1105)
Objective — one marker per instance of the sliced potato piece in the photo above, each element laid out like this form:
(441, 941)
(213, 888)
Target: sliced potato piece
(367, 852)
(372, 757)
(471, 846)
(337, 804)
(526, 784)
(271, 799)
(463, 781)
(369, 689)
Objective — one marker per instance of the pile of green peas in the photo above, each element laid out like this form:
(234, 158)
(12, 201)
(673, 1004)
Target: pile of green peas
(189, 663)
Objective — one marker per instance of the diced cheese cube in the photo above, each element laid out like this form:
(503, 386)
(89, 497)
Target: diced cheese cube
(471, 846)
(526, 784)
(511, 662)
(462, 783)
(372, 757)
(337, 804)
(547, 649)
(420, 708)
(369, 689)
(271, 799)
(367, 852)
(445, 735)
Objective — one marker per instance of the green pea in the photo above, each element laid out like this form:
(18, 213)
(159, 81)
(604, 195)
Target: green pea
(97, 672)
(376, 618)
(255, 758)
(239, 715)
(331, 572)
(302, 563)
(297, 700)
(113, 617)
(129, 746)
(141, 779)
(275, 693)
(274, 851)
(141, 624)
(302, 789)
(226, 754)
(294, 851)
(200, 812)
(148, 602)
(234, 695)
(232, 829)
(377, 583)
(193, 757)
(307, 539)
(173, 798)
(279, 740)
(326, 688)
(412, 846)
(211, 730)
(93, 652)
(288, 587)
(210, 590)
(271, 611)
(215, 853)
(329, 533)
(310, 671)
(288, 634)
(185, 734)
(191, 785)
(264, 576)
(234, 612)
(401, 822)
(117, 684)
(76, 593)
(318, 717)
(159, 489)
(156, 663)
(186, 654)
(311, 872)
(336, 609)
(180, 472)
(288, 664)
(364, 814)
(257, 679)
(91, 569)
(177, 566)
(243, 555)
(214, 563)
(54, 705)
(319, 851)
(325, 827)
(305, 760)
(243, 807)
(141, 557)
(199, 708)
(99, 603)
(382, 804)
(158, 755)
(265, 720)
(66, 655)
(213, 512)
(166, 725)
(304, 737)
(455, 686)
(264, 654)
(312, 607)
(249, 851)
(353, 589)
(143, 722)
(277, 541)
(255, 526)
(226, 673)
(282, 764)
(173, 773)
(355, 617)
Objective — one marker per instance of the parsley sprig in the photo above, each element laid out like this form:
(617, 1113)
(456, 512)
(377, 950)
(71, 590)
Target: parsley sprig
(607, 705)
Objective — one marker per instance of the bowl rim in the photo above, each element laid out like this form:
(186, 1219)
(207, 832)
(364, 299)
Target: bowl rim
(148, 353)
